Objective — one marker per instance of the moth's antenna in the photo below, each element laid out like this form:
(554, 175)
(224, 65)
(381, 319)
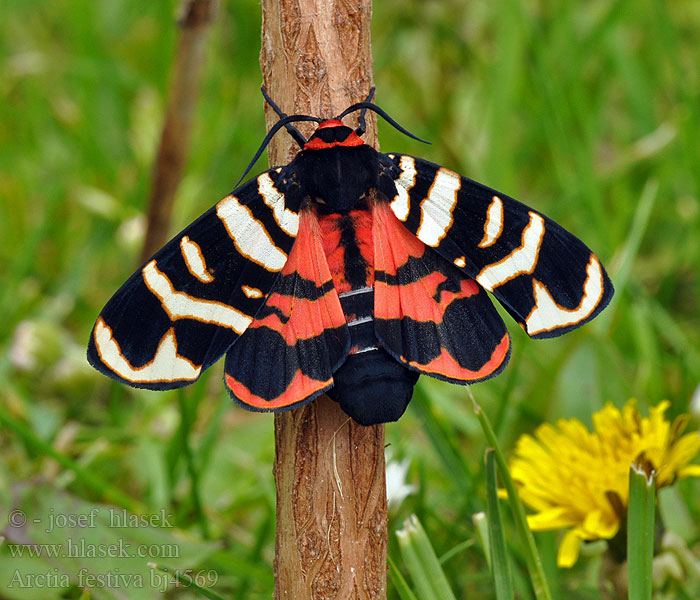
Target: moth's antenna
(293, 131)
(362, 126)
(373, 107)
(283, 122)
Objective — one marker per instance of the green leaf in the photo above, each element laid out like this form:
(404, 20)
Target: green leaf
(443, 442)
(640, 531)
(398, 580)
(497, 541)
(481, 525)
(532, 556)
(422, 562)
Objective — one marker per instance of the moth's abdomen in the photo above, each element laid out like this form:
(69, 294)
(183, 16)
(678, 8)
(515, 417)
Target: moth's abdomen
(371, 386)
(347, 243)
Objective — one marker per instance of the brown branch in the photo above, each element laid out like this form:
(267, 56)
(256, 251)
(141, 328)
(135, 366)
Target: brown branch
(174, 142)
(331, 506)
(329, 471)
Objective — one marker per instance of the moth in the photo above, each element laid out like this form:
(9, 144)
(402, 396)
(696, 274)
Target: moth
(348, 272)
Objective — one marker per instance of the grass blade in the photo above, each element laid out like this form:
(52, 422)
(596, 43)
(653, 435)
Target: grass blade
(481, 526)
(640, 532)
(399, 582)
(456, 550)
(497, 541)
(187, 416)
(422, 562)
(532, 556)
(630, 250)
(443, 443)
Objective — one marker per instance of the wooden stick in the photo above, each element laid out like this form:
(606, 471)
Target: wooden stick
(329, 471)
(174, 142)
(331, 505)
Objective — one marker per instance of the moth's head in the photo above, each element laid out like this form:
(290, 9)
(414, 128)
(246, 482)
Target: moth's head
(329, 133)
(332, 133)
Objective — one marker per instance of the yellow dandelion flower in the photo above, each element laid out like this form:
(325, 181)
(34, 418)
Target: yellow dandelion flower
(577, 479)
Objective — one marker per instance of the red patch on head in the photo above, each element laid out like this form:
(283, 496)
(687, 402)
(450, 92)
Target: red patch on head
(352, 140)
(316, 143)
(330, 123)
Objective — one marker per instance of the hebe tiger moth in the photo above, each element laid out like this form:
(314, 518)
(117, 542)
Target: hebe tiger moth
(347, 271)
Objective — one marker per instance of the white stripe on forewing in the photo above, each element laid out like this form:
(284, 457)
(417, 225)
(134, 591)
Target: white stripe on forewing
(547, 314)
(252, 292)
(166, 365)
(194, 259)
(520, 261)
(249, 235)
(287, 220)
(436, 209)
(494, 223)
(407, 179)
(180, 305)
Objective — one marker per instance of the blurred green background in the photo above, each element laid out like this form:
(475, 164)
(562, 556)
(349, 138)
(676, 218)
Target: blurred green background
(588, 111)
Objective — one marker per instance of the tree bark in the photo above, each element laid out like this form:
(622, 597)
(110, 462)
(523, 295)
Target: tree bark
(329, 471)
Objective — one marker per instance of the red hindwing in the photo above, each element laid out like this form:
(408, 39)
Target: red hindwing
(428, 314)
(289, 352)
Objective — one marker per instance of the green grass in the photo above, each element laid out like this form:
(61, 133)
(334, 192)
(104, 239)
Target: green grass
(588, 111)
(640, 528)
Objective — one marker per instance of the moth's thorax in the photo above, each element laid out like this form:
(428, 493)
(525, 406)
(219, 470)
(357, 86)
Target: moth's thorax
(339, 175)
